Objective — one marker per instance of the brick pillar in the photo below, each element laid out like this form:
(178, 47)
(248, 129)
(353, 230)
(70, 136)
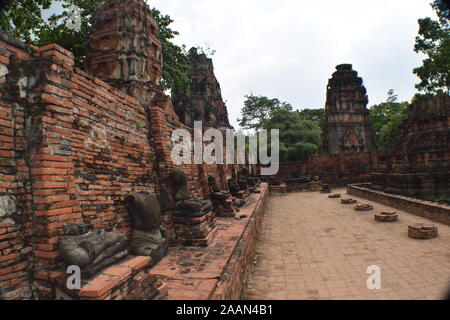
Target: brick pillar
(51, 161)
(161, 144)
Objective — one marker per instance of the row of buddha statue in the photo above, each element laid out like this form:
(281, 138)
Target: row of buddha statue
(94, 250)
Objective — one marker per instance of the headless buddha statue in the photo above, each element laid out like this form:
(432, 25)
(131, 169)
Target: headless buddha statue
(185, 206)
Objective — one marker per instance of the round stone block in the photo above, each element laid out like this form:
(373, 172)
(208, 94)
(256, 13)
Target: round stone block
(334, 196)
(348, 201)
(422, 231)
(386, 217)
(363, 207)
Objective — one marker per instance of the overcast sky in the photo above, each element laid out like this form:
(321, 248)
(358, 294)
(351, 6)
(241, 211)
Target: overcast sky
(288, 49)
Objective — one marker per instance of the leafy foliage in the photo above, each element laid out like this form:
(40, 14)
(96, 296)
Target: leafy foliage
(22, 18)
(299, 138)
(317, 115)
(434, 41)
(257, 109)
(386, 118)
(175, 58)
(56, 30)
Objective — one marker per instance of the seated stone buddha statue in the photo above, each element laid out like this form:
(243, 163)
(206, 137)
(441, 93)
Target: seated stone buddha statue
(146, 238)
(185, 206)
(92, 250)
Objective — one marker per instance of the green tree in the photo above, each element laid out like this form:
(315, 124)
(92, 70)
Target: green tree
(299, 138)
(175, 58)
(317, 115)
(386, 118)
(434, 41)
(56, 30)
(257, 109)
(22, 18)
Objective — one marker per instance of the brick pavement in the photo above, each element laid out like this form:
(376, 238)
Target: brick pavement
(312, 247)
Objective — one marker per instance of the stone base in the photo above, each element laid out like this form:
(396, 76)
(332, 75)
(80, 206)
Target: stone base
(348, 201)
(426, 209)
(282, 188)
(334, 196)
(224, 210)
(386, 217)
(197, 231)
(422, 231)
(363, 207)
(146, 244)
(221, 270)
(128, 280)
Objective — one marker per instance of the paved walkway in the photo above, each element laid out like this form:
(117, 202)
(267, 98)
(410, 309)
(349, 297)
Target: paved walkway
(312, 247)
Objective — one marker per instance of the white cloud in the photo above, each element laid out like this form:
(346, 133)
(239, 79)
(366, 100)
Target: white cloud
(288, 48)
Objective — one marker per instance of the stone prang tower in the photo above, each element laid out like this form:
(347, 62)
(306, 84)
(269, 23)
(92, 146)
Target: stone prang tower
(124, 49)
(203, 99)
(347, 128)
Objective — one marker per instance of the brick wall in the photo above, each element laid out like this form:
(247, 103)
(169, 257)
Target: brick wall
(15, 220)
(427, 209)
(336, 169)
(71, 148)
(236, 274)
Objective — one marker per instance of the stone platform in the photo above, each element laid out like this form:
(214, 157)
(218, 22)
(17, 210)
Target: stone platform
(197, 231)
(300, 187)
(219, 271)
(282, 188)
(126, 280)
(426, 209)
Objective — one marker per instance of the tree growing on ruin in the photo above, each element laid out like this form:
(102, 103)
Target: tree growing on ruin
(23, 19)
(175, 58)
(434, 41)
(386, 118)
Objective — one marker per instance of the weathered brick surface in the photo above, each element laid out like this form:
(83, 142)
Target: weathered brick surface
(128, 280)
(72, 146)
(221, 270)
(15, 232)
(419, 163)
(335, 169)
(347, 127)
(202, 100)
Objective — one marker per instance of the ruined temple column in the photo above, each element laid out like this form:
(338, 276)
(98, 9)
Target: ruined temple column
(202, 101)
(347, 127)
(124, 49)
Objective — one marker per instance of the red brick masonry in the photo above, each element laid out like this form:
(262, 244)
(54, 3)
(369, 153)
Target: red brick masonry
(220, 271)
(426, 209)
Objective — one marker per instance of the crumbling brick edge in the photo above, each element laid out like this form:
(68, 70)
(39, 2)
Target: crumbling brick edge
(236, 274)
(221, 270)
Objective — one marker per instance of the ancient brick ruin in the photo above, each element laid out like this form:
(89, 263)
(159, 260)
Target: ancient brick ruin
(203, 99)
(86, 153)
(124, 49)
(419, 163)
(347, 128)
(75, 143)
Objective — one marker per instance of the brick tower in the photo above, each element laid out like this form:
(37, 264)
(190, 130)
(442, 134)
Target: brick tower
(347, 128)
(124, 50)
(203, 99)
